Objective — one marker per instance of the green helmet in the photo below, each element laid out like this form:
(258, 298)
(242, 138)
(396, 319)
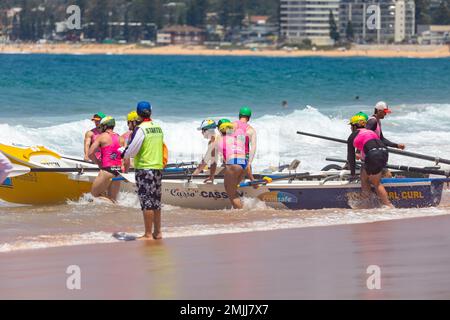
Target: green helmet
(245, 111)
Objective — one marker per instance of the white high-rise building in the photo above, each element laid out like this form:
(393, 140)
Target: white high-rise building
(396, 20)
(308, 19)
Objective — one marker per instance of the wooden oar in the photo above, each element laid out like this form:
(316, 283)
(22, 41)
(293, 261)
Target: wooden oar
(436, 160)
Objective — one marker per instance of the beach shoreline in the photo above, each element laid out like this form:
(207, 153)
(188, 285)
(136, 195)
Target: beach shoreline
(309, 263)
(375, 51)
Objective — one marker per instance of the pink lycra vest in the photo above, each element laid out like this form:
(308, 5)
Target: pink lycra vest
(241, 129)
(236, 145)
(364, 135)
(378, 128)
(96, 133)
(111, 156)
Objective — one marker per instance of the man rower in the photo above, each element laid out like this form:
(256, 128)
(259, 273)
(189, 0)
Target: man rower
(92, 135)
(5, 168)
(244, 129)
(208, 129)
(374, 124)
(109, 143)
(147, 149)
(374, 154)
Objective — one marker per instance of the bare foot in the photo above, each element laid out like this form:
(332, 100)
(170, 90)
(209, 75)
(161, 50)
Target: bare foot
(145, 238)
(157, 236)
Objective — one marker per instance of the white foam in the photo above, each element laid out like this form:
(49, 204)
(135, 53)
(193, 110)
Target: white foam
(303, 219)
(423, 128)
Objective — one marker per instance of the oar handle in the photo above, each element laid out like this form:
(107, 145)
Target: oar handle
(404, 168)
(437, 160)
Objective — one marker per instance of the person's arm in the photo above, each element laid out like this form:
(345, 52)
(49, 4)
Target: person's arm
(93, 148)
(391, 144)
(135, 145)
(87, 144)
(200, 168)
(5, 168)
(252, 151)
(351, 153)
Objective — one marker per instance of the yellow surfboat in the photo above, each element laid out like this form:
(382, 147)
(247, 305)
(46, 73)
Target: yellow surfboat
(43, 188)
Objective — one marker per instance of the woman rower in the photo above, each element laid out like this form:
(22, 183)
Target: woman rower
(374, 154)
(232, 145)
(110, 162)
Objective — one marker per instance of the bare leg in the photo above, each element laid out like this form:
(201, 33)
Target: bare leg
(113, 191)
(148, 223)
(381, 191)
(232, 175)
(101, 183)
(157, 234)
(365, 185)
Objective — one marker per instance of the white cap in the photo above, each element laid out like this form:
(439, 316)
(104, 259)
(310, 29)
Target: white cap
(382, 106)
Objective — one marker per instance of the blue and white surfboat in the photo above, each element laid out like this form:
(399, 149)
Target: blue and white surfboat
(303, 191)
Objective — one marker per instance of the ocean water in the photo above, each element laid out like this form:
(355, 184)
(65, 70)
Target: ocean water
(48, 100)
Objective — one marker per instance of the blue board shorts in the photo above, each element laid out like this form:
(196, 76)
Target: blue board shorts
(238, 161)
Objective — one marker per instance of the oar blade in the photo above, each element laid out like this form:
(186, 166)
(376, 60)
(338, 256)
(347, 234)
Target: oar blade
(18, 170)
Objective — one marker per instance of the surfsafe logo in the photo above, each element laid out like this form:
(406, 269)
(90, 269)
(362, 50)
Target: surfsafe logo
(7, 183)
(278, 197)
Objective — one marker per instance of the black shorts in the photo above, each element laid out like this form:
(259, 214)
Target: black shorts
(113, 170)
(376, 160)
(148, 184)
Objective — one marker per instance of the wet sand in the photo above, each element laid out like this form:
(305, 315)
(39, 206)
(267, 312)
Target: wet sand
(308, 263)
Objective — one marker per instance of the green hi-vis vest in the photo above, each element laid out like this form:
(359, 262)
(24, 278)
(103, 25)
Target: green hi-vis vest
(151, 154)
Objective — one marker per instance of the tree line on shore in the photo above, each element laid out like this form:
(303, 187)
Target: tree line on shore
(37, 18)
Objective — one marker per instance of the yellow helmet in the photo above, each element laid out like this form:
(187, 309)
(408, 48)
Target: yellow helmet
(225, 125)
(360, 118)
(133, 116)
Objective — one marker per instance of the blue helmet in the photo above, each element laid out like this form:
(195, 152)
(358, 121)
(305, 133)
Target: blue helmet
(144, 108)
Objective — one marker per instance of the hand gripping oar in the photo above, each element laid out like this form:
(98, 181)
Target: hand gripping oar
(445, 173)
(267, 180)
(436, 160)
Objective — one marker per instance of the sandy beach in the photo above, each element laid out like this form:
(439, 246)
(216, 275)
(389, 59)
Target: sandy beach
(308, 263)
(384, 51)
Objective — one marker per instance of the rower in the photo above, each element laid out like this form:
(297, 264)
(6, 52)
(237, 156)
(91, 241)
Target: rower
(92, 135)
(374, 124)
(133, 120)
(5, 168)
(233, 148)
(208, 129)
(374, 154)
(244, 129)
(109, 143)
